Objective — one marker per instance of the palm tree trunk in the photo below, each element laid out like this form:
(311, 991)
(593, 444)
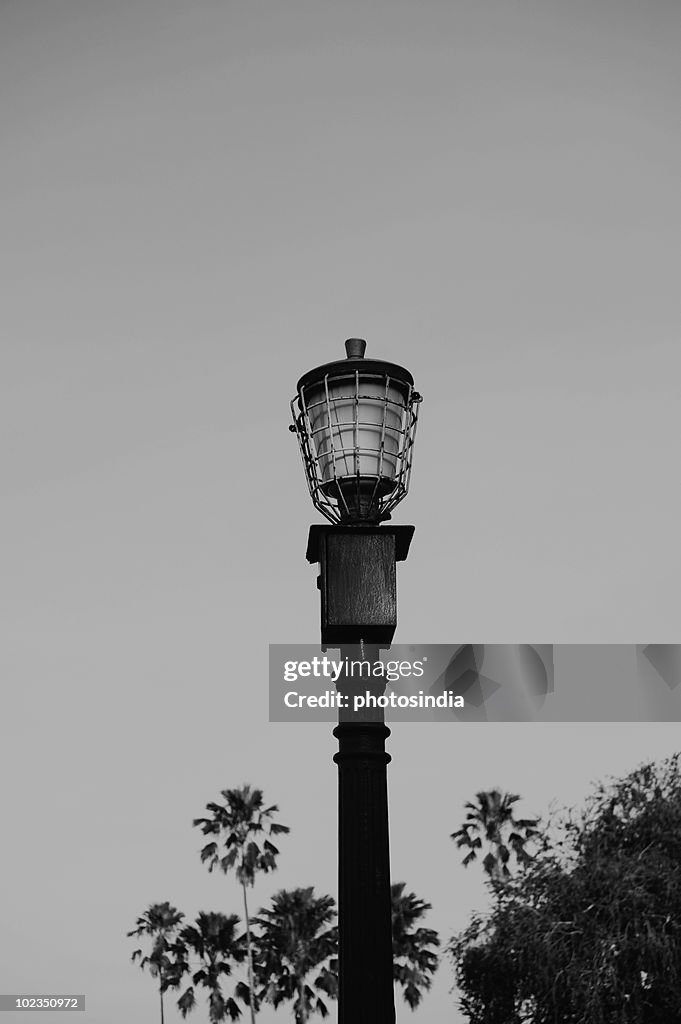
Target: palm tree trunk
(301, 1012)
(250, 957)
(160, 992)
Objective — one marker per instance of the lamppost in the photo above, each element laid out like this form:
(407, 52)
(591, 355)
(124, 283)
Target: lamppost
(355, 421)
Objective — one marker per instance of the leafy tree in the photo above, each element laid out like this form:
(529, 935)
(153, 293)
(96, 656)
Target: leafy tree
(214, 944)
(296, 939)
(413, 958)
(492, 819)
(243, 824)
(160, 923)
(590, 933)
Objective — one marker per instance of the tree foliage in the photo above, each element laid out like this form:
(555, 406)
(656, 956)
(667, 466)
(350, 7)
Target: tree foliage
(590, 932)
(214, 944)
(244, 826)
(158, 923)
(414, 961)
(296, 952)
(292, 950)
(296, 947)
(492, 820)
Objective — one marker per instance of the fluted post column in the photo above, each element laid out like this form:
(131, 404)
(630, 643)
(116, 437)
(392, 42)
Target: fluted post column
(364, 904)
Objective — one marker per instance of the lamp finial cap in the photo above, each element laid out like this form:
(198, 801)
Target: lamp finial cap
(355, 348)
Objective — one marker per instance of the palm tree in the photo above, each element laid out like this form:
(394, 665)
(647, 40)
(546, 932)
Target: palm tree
(159, 922)
(240, 821)
(294, 939)
(215, 944)
(297, 938)
(493, 820)
(413, 959)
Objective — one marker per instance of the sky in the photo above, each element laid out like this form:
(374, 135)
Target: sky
(199, 202)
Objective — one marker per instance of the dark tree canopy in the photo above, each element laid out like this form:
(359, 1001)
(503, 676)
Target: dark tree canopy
(296, 944)
(414, 956)
(590, 931)
(296, 941)
(214, 944)
(492, 819)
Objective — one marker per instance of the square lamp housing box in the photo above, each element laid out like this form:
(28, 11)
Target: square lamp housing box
(358, 580)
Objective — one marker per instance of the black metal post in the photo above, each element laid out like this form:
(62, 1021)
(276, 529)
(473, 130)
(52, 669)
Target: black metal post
(365, 915)
(358, 585)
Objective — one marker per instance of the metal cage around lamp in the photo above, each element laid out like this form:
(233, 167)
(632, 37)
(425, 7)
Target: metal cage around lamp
(355, 420)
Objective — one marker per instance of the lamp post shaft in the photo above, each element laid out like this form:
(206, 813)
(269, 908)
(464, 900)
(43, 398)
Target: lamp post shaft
(364, 902)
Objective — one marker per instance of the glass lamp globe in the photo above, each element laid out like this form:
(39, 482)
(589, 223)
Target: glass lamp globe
(355, 420)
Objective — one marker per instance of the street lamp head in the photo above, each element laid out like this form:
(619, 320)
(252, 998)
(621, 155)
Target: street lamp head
(355, 420)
